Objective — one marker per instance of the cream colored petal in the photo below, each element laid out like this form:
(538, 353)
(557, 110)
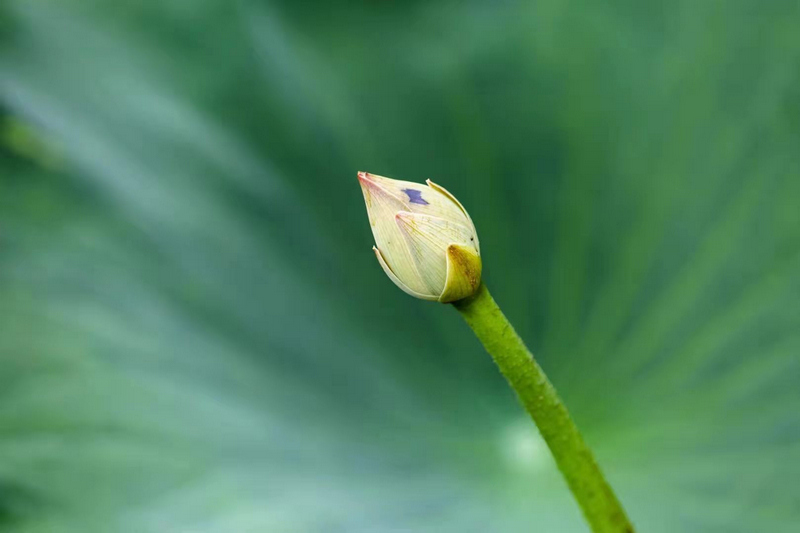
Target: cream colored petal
(445, 192)
(463, 273)
(428, 238)
(387, 186)
(382, 206)
(417, 197)
(397, 281)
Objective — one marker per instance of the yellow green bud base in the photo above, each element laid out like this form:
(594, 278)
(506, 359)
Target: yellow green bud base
(574, 458)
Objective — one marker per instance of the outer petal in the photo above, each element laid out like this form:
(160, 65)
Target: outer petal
(463, 273)
(382, 206)
(417, 197)
(427, 238)
(445, 192)
(372, 184)
(397, 281)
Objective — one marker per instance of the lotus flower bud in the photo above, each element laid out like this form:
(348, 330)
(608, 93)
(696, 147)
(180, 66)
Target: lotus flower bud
(424, 238)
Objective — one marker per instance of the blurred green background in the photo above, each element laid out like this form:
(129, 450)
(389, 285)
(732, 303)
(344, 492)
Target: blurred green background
(195, 336)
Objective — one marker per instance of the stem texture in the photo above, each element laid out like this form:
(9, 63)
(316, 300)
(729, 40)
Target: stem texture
(573, 457)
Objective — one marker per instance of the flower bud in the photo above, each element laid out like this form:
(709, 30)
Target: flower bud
(424, 238)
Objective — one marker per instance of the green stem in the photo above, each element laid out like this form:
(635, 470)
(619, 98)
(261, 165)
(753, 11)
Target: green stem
(573, 457)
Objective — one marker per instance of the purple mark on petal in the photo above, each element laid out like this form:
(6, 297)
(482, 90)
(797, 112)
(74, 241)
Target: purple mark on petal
(415, 196)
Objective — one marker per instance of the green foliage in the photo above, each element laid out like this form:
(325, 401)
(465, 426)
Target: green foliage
(195, 335)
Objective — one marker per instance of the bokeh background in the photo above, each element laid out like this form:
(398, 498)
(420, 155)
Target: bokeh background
(196, 338)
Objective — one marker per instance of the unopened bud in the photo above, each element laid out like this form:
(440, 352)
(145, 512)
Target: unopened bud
(424, 239)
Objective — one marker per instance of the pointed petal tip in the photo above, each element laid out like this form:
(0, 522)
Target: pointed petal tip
(368, 180)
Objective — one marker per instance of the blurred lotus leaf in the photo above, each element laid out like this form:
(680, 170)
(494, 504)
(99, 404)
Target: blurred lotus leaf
(195, 335)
